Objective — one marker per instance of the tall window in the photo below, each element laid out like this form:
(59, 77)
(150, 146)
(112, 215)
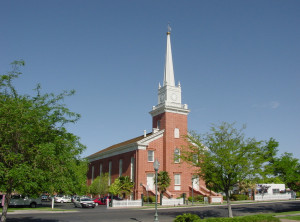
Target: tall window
(100, 170)
(93, 173)
(176, 133)
(132, 169)
(109, 172)
(177, 182)
(177, 155)
(120, 167)
(150, 156)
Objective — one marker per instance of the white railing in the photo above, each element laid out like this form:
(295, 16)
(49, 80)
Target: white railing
(127, 203)
(172, 202)
(284, 196)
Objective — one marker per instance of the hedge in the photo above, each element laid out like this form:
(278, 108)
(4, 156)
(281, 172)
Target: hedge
(254, 218)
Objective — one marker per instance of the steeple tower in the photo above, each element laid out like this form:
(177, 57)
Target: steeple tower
(169, 71)
(169, 95)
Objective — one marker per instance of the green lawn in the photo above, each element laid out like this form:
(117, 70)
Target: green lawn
(291, 217)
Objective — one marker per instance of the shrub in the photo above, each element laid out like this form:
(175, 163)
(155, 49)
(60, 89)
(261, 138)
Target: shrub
(298, 194)
(198, 198)
(239, 197)
(151, 199)
(254, 218)
(187, 218)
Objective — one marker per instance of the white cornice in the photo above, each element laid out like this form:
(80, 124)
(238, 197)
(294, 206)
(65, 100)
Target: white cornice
(145, 142)
(162, 108)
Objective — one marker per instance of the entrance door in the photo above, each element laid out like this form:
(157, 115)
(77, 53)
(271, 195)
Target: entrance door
(150, 181)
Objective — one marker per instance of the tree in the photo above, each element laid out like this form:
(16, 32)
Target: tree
(37, 153)
(100, 185)
(121, 186)
(224, 157)
(287, 169)
(163, 181)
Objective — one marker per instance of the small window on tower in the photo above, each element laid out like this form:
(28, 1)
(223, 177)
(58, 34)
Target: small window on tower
(176, 133)
(177, 156)
(158, 124)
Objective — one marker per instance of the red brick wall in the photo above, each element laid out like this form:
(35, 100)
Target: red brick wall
(126, 158)
(164, 148)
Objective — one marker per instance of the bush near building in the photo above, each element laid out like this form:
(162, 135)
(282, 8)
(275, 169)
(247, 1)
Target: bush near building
(237, 197)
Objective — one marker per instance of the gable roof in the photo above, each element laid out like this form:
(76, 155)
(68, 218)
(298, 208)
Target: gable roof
(139, 142)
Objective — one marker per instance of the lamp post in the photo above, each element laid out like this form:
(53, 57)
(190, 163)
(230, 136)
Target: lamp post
(192, 191)
(156, 167)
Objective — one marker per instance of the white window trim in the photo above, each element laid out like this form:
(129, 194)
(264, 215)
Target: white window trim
(152, 156)
(132, 168)
(177, 186)
(176, 133)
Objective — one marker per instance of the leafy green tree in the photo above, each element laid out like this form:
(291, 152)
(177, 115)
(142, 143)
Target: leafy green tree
(100, 185)
(121, 186)
(287, 168)
(37, 153)
(224, 157)
(163, 181)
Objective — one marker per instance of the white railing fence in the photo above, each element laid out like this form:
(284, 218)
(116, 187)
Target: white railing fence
(284, 196)
(127, 203)
(172, 202)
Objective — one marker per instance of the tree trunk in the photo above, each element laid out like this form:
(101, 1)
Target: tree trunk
(228, 204)
(5, 207)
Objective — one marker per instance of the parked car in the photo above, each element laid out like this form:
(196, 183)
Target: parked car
(114, 197)
(84, 202)
(99, 201)
(20, 200)
(62, 199)
(45, 198)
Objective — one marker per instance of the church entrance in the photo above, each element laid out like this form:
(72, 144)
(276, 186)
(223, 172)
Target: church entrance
(150, 181)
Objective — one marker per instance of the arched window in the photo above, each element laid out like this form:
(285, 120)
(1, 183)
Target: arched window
(177, 155)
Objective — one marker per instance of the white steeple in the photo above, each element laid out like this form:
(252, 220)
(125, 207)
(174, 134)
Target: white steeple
(169, 95)
(169, 71)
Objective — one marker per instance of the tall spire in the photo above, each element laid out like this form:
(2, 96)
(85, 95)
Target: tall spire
(169, 72)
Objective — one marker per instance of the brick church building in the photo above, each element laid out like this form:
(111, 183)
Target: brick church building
(135, 157)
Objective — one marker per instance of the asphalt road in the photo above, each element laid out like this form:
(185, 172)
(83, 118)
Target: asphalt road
(101, 213)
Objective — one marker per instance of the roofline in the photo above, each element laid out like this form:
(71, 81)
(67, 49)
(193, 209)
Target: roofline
(140, 144)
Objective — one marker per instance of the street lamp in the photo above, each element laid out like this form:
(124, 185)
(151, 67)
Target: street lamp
(192, 190)
(156, 167)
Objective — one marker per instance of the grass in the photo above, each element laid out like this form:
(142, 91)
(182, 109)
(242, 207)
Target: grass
(291, 217)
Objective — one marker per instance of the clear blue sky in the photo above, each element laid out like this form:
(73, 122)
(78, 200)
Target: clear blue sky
(236, 61)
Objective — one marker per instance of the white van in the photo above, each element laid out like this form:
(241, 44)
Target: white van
(20, 200)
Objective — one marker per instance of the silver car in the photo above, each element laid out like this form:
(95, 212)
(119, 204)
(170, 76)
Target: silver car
(20, 200)
(84, 202)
